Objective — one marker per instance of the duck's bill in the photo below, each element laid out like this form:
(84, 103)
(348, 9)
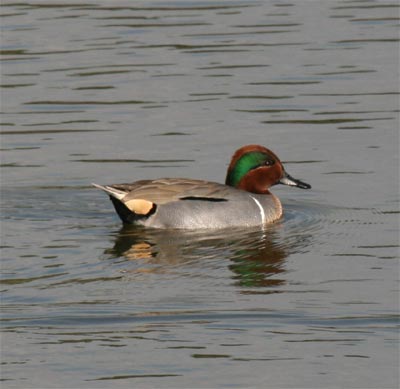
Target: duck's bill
(288, 180)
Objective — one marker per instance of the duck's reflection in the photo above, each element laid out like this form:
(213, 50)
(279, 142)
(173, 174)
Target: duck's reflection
(256, 257)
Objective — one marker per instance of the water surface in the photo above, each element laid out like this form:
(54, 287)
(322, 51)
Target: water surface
(110, 92)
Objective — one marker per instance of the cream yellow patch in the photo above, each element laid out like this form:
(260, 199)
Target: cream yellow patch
(139, 206)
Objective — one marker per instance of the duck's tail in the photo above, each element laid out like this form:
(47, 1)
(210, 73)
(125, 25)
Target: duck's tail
(116, 193)
(129, 210)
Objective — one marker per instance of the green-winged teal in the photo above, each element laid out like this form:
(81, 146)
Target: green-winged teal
(244, 200)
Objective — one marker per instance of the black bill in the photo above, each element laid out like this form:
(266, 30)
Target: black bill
(288, 180)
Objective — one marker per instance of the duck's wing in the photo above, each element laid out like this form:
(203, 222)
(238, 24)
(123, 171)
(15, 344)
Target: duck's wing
(162, 191)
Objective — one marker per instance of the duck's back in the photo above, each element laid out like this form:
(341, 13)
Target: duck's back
(165, 190)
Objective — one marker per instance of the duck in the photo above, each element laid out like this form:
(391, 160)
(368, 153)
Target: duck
(244, 200)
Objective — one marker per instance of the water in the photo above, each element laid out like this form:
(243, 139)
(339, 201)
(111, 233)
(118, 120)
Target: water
(109, 92)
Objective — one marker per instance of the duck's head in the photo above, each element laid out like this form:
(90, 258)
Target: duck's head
(255, 169)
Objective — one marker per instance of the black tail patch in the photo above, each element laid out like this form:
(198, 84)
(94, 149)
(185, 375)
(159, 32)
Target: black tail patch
(126, 215)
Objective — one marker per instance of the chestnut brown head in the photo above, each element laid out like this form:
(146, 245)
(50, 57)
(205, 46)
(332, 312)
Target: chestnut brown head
(255, 169)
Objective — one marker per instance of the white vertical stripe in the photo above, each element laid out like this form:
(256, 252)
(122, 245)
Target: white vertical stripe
(262, 213)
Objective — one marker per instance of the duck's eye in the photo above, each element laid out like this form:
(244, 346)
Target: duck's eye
(269, 162)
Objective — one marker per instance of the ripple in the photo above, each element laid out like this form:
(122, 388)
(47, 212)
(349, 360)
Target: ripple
(321, 226)
(224, 317)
